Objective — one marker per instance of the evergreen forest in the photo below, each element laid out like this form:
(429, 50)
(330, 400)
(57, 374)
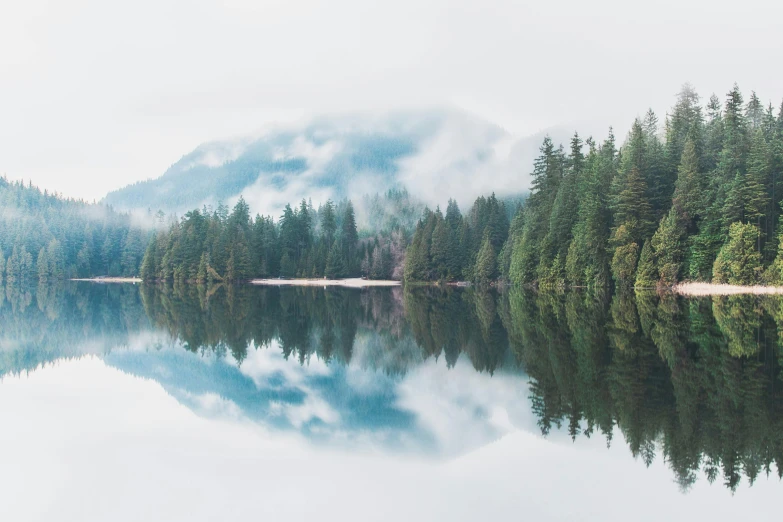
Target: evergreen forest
(45, 237)
(693, 196)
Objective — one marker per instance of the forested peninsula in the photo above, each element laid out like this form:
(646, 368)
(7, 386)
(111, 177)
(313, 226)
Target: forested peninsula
(693, 196)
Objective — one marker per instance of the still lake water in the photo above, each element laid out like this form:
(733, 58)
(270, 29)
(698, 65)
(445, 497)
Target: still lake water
(132, 402)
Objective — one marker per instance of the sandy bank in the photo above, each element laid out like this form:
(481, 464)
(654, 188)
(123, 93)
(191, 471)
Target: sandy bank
(111, 280)
(352, 283)
(704, 289)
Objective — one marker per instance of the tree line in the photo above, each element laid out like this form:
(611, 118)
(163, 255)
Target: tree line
(700, 201)
(696, 197)
(217, 245)
(45, 237)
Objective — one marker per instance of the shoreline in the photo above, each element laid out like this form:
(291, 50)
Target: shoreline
(708, 289)
(133, 280)
(349, 283)
(686, 289)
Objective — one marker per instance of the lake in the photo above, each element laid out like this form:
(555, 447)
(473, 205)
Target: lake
(136, 402)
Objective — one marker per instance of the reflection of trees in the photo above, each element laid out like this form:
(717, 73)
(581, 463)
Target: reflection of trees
(65, 320)
(450, 322)
(305, 321)
(697, 379)
(739, 318)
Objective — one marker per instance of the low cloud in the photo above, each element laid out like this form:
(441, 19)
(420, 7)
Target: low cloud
(435, 154)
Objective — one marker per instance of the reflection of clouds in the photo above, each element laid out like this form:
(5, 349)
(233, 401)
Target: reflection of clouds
(263, 364)
(83, 438)
(462, 408)
(267, 368)
(211, 405)
(429, 409)
(386, 399)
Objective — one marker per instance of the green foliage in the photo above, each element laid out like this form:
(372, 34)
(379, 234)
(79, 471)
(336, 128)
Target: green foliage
(587, 216)
(774, 274)
(738, 262)
(668, 243)
(688, 190)
(334, 263)
(218, 245)
(76, 238)
(646, 272)
(624, 262)
(666, 201)
(486, 263)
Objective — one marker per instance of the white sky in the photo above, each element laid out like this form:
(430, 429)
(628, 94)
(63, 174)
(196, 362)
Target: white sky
(98, 94)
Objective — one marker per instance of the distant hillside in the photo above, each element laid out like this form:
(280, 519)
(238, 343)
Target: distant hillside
(433, 154)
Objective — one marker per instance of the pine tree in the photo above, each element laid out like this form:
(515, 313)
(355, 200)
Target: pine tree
(757, 180)
(148, 270)
(350, 240)
(328, 222)
(625, 257)
(685, 124)
(334, 263)
(464, 241)
(417, 256)
(486, 263)
(646, 273)
(453, 215)
(440, 250)
(55, 258)
(658, 179)
(42, 265)
(532, 246)
(774, 274)
(754, 112)
(287, 266)
(713, 143)
(687, 192)
(668, 244)
(514, 233)
(735, 137)
(565, 206)
(240, 255)
(366, 267)
(738, 262)
(11, 269)
(203, 264)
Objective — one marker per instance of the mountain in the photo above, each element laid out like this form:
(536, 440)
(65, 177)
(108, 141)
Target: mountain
(434, 154)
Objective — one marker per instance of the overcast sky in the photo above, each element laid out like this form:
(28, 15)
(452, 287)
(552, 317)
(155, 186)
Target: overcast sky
(98, 94)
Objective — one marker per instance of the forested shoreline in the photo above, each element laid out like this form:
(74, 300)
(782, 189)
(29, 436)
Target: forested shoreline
(694, 197)
(45, 237)
(700, 202)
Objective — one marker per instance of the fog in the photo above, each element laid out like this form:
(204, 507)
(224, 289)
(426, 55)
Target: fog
(97, 95)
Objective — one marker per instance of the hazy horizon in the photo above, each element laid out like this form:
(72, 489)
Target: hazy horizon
(97, 96)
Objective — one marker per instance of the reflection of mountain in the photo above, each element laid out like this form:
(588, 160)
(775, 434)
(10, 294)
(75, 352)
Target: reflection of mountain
(439, 370)
(321, 404)
(443, 151)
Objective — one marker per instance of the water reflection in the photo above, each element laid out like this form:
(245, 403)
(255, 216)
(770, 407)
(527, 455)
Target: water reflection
(695, 382)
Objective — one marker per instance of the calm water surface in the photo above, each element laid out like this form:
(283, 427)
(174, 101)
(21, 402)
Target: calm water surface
(131, 402)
